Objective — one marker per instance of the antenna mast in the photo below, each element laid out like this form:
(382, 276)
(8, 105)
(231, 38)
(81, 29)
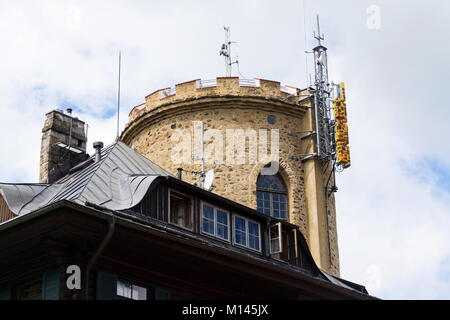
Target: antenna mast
(118, 96)
(324, 122)
(332, 132)
(225, 51)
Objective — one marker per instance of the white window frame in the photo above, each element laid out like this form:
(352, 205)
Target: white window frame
(280, 238)
(170, 212)
(132, 285)
(215, 236)
(247, 233)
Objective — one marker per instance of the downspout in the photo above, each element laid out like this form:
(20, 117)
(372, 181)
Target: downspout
(106, 239)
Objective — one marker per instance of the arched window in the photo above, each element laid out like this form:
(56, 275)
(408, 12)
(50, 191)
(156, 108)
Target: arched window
(271, 196)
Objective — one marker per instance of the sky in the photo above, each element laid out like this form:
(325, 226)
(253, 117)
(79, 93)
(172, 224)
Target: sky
(393, 203)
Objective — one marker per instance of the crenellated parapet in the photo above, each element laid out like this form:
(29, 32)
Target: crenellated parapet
(222, 86)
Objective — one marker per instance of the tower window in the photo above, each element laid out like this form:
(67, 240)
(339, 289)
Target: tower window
(271, 196)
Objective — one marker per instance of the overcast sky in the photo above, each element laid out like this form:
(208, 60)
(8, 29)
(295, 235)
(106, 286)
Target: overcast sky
(393, 204)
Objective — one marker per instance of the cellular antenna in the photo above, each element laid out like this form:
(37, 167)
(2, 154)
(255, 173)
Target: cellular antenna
(330, 113)
(225, 51)
(118, 96)
(319, 36)
(324, 123)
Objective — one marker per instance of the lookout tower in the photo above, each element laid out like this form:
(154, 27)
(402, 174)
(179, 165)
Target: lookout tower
(243, 122)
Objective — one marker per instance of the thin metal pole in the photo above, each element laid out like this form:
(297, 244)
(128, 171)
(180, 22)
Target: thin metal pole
(118, 96)
(318, 30)
(87, 131)
(202, 175)
(306, 45)
(228, 57)
(70, 132)
(227, 52)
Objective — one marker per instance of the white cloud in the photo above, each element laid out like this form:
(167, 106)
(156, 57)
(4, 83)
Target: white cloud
(392, 226)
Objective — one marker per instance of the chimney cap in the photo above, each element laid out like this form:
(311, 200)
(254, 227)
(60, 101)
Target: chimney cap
(97, 145)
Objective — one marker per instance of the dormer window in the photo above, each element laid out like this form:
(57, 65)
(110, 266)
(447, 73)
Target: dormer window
(215, 222)
(180, 209)
(247, 233)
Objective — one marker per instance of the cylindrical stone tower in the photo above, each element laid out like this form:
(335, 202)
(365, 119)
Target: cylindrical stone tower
(244, 122)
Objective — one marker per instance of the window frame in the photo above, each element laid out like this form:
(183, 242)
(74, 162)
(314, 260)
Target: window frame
(25, 283)
(271, 193)
(215, 236)
(169, 216)
(131, 283)
(247, 233)
(279, 238)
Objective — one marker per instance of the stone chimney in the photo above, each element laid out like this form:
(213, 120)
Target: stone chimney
(63, 145)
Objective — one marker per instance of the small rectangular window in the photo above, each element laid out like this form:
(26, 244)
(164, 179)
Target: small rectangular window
(240, 231)
(215, 221)
(253, 235)
(30, 291)
(131, 291)
(276, 245)
(222, 224)
(180, 207)
(208, 219)
(247, 233)
(291, 247)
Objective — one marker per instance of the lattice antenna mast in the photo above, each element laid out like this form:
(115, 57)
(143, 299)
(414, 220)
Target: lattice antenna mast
(324, 122)
(225, 51)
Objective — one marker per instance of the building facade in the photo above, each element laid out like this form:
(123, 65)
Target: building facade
(244, 114)
(118, 226)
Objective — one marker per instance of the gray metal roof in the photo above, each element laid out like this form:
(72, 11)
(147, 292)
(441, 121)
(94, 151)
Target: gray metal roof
(118, 181)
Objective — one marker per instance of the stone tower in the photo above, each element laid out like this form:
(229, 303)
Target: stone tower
(56, 158)
(253, 109)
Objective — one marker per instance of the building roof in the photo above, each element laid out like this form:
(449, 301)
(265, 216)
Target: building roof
(118, 181)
